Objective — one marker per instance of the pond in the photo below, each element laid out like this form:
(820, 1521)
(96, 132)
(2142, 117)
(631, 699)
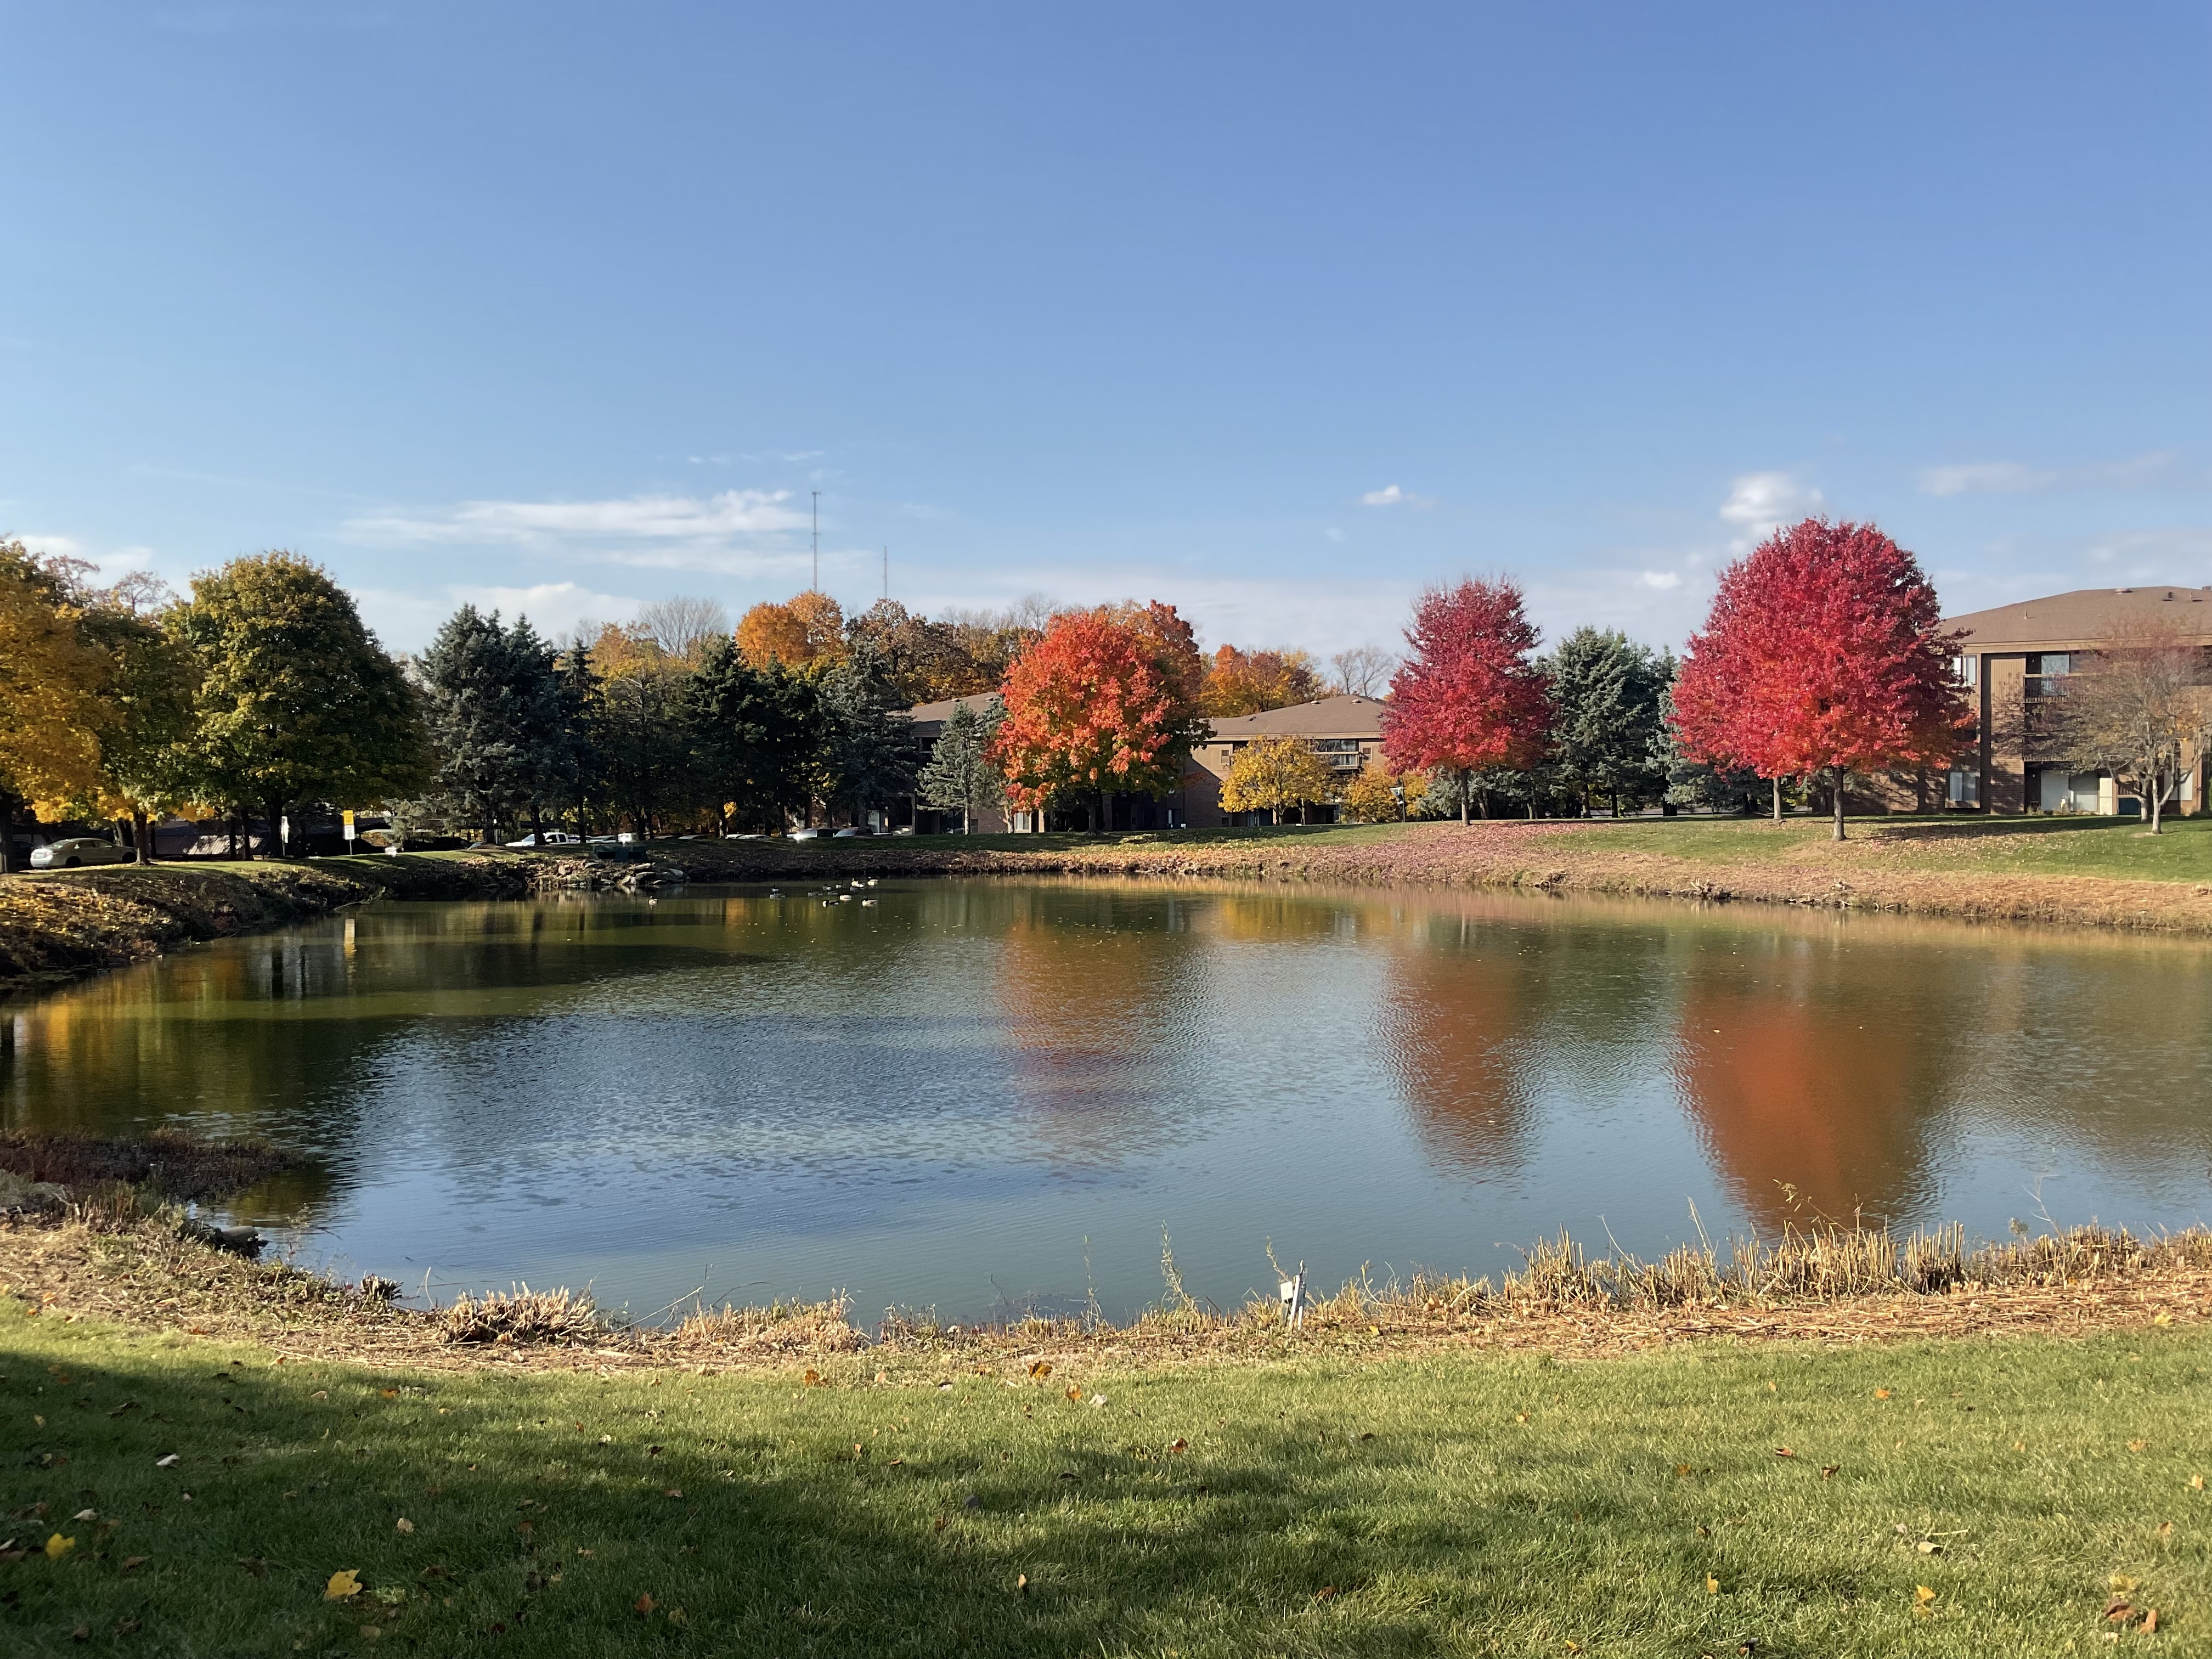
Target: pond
(987, 1095)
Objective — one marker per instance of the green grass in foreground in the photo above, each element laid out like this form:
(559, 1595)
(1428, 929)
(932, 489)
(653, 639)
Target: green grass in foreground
(2119, 847)
(1467, 1505)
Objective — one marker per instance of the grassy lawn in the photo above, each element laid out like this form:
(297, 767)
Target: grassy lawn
(2038, 845)
(1974, 1498)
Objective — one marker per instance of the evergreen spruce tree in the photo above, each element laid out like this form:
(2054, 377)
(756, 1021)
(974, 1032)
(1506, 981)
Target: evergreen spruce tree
(960, 777)
(1606, 697)
(871, 748)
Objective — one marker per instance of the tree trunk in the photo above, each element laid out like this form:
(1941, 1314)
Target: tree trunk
(1463, 795)
(1778, 799)
(1532, 807)
(2157, 802)
(7, 834)
(142, 836)
(275, 837)
(1839, 801)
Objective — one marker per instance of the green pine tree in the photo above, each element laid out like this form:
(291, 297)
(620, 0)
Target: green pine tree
(960, 777)
(1606, 720)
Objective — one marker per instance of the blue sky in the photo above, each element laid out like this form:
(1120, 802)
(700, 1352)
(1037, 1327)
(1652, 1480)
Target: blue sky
(1276, 311)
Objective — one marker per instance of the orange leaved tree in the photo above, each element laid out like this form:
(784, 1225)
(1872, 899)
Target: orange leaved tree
(1106, 702)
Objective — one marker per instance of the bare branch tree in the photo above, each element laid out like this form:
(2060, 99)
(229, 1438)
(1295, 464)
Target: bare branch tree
(681, 624)
(1365, 670)
(2134, 708)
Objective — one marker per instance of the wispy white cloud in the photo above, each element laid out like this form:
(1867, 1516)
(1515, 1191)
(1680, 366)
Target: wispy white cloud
(405, 620)
(1762, 502)
(732, 513)
(738, 531)
(1660, 581)
(51, 547)
(2159, 469)
(1391, 495)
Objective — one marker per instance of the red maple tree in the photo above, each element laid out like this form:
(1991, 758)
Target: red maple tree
(1468, 697)
(1106, 702)
(1823, 653)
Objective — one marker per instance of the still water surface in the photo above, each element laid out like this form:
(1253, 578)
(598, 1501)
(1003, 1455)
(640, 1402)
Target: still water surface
(984, 1094)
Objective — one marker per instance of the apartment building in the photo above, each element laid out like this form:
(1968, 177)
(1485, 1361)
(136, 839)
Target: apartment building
(2017, 658)
(1345, 731)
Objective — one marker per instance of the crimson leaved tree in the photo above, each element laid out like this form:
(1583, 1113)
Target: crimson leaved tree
(1106, 702)
(1467, 698)
(1823, 653)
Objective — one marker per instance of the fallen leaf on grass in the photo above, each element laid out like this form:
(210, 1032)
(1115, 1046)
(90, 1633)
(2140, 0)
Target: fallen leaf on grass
(2165, 1529)
(1828, 1469)
(1041, 1368)
(389, 1393)
(86, 1515)
(132, 1563)
(403, 1525)
(256, 1565)
(1881, 1394)
(2196, 1483)
(813, 1378)
(1682, 1470)
(642, 1607)
(1021, 1583)
(1179, 1445)
(168, 1462)
(1097, 1402)
(343, 1583)
(1783, 1451)
(1327, 1592)
(2161, 1320)
(2119, 1610)
(58, 1546)
(674, 1491)
(1075, 1394)
(1921, 1595)
(2138, 1445)
(1712, 1585)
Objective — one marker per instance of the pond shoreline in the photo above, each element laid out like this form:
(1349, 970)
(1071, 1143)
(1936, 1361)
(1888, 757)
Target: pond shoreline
(124, 1253)
(56, 928)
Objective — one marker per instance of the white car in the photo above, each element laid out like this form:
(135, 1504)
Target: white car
(550, 838)
(79, 849)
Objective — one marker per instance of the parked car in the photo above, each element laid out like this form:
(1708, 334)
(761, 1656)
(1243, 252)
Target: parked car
(76, 850)
(840, 834)
(550, 838)
(805, 835)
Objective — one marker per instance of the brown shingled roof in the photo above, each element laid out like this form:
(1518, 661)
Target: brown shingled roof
(2081, 618)
(1330, 717)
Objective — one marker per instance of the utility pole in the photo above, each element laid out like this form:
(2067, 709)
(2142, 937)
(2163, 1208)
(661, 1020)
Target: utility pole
(817, 543)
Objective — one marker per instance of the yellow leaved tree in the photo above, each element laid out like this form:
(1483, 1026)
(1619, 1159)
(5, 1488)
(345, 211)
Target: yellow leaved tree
(1275, 774)
(52, 673)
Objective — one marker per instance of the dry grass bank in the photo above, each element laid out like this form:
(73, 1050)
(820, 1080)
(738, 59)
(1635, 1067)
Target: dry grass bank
(116, 1256)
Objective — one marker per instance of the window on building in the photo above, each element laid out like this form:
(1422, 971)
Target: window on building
(1965, 788)
(1967, 671)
